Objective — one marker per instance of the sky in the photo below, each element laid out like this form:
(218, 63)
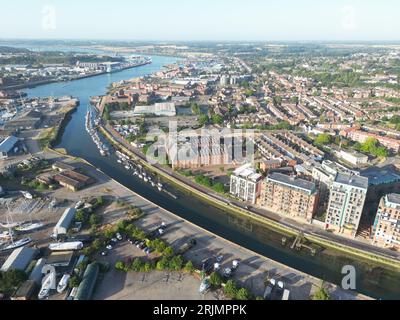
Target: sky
(217, 20)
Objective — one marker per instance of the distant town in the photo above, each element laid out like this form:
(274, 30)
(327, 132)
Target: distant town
(293, 146)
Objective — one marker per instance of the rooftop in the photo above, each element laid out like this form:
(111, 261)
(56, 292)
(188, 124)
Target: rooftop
(7, 144)
(351, 180)
(293, 182)
(393, 198)
(247, 172)
(378, 176)
(19, 259)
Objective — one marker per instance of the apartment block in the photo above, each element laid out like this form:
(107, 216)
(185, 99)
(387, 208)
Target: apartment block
(246, 184)
(346, 203)
(289, 196)
(386, 229)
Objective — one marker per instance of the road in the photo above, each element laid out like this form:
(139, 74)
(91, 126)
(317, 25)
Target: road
(300, 227)
(253, 267)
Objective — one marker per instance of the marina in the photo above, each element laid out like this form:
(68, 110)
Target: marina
(139, 172)
(262, 240)
(92, 120)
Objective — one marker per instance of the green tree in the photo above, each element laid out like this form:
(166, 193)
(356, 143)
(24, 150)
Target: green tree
(243, 294)
(321, 294)
(162, 264)
(120, 266)
(215, 279)
(219, 187)
(195, 109)
(11, 280)
(217, 119)
(189, 267)
(147, 267)
(175, 264)
(168, 252)
(230, 289)
(136, 265)
(97, 244)
(94, 220)
(74, 282)
(323, 139)
(80, 216)
(204, 119)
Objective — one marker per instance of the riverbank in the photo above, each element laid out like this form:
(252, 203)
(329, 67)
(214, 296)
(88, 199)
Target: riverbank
(53, 135)
(253, 267)
(289, 231)
(44, 82)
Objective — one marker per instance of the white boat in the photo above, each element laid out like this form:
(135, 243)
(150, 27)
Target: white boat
(29, 227)
(17, 244)
(127, 167)
(45, 289)
(119, 161)
(140, 176)
(159, 189)
(153, 184)
(145, 179)
(63, 284)
(27, 195)
(66, 246)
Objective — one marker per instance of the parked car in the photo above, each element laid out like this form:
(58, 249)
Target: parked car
(104, 253)
(79, 205)
(109, 247)
(286, 294)
(268, 290)
(207, 265)
(227, 273)
(119, 237)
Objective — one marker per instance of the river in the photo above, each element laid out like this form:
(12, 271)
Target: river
(372, 280)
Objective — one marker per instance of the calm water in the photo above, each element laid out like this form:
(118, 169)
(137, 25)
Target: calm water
(372, 280)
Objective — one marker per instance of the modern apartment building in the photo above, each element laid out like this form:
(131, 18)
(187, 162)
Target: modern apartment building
(246, 183)
(289, 196)
(346, 203)
(386, 230)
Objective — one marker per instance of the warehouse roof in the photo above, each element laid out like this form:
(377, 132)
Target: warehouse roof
(8, 144)
(19, 259)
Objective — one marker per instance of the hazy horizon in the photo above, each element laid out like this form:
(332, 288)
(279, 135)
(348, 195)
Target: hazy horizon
(222, 20)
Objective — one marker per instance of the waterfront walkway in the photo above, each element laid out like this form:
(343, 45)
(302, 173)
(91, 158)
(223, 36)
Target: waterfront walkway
(307, 229)
(253, 267)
